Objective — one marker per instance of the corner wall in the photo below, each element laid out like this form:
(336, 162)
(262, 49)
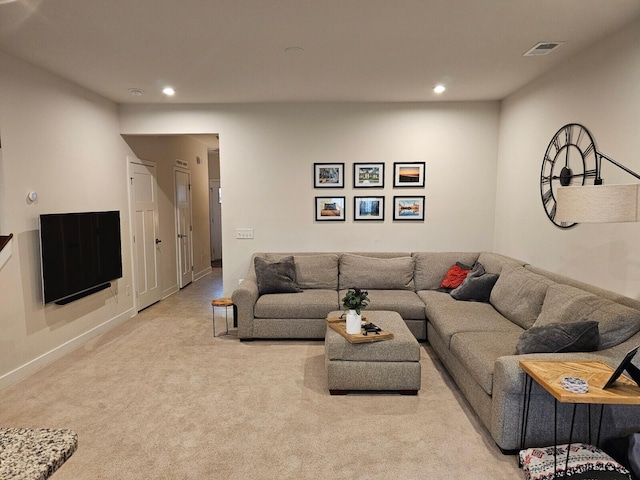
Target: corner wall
(599, 88)
(267, 152)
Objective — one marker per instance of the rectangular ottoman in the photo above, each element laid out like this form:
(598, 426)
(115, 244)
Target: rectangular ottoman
(386, 365)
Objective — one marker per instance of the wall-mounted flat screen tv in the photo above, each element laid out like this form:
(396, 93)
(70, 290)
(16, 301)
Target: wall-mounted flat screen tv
(80, 252)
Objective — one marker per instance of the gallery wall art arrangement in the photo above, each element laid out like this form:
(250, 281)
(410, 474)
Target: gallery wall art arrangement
(369, 176)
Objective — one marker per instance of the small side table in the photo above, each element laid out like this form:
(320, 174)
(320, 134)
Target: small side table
(549, 373)
(226, 303)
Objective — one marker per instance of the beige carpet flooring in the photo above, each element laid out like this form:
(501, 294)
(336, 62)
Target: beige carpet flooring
(159, 398)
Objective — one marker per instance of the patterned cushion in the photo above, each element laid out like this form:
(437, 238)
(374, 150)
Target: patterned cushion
(585, 462)
(372, 273)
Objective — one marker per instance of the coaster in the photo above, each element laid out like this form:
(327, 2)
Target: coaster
(575, 385)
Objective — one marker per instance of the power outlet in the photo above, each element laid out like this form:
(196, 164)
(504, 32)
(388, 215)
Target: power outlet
(127, 290)
(244, 233)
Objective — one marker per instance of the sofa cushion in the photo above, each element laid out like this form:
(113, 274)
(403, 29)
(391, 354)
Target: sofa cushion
(449, 318)
(477, 286)
(306, 304)
(478, 352)
(564, 303)
(313, 270)
(431, 267)
(404, 302)
(372, 273)
(560, 338)
(276, 277)
(518, 294)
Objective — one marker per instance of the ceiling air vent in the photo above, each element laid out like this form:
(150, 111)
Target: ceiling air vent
(542, 48)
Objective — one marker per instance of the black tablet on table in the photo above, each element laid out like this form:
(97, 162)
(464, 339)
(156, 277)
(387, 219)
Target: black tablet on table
(626, 364)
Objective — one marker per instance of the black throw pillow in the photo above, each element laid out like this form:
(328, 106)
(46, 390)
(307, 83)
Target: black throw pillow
(276, 277)
(560, 337)
(477, 286)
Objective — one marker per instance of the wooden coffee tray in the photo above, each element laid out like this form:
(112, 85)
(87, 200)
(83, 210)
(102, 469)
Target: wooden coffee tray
(340, 326)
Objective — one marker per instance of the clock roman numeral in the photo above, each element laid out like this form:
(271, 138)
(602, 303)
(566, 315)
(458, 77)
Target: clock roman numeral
(568, 133)
(580, 135)
(556, 143)
(587, 151)
(552, 213)
(546, 180)
(547, 196)
(591, 173)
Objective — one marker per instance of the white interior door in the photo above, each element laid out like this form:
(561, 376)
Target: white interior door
(144, 203)
(183, 227)
(215, 212)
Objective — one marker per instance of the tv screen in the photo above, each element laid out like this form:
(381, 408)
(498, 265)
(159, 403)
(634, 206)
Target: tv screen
(81, 254)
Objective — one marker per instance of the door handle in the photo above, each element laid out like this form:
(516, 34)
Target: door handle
(181, 236)
(158, 241)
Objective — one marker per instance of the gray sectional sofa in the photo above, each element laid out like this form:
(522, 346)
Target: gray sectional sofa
(476, 341)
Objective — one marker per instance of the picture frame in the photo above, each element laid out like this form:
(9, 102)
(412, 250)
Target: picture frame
(408, 174)
(368, 208)
(408, 208)
(330, 209)
(368, 175)
(328, 175)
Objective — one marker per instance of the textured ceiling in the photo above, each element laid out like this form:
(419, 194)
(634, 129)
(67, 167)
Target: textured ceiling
(349, 50)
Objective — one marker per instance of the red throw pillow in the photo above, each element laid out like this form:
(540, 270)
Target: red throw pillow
(454, 277)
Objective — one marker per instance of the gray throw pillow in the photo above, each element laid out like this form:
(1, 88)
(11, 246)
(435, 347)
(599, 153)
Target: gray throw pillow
(560, 337)
(477, 286)
(276, 277)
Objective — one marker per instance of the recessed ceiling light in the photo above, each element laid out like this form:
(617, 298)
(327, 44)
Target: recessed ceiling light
(439, 88)
(168, 91)
(136, 92)
(294, 49)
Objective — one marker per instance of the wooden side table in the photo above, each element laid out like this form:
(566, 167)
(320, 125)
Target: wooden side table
(549, 374)
(226, 303)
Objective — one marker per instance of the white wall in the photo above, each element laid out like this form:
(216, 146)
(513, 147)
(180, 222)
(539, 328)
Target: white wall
(267, 152)
(62, 142)
(600, 88)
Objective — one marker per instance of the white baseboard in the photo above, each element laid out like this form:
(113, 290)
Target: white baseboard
(202, 274)
(170, 291)
(60, 351)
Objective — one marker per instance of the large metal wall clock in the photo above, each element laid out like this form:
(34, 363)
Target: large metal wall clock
(571, 158)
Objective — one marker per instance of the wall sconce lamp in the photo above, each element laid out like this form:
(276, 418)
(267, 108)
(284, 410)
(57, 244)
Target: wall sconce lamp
(599, 203)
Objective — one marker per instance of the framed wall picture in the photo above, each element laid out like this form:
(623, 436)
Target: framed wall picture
(368, 208)
(408, 208)
(408, 174)
(368, 175)
(328, 175)
(330, 209)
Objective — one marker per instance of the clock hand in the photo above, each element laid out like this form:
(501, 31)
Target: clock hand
(556, 177)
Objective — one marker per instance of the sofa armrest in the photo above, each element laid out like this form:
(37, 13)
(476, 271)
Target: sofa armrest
(509, 386)
(245, 298)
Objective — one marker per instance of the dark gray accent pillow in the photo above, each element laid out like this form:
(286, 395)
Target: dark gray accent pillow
(560, 337)
(477, 286)
(276, 277)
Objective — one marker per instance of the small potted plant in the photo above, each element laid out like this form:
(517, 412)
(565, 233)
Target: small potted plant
(355, 301)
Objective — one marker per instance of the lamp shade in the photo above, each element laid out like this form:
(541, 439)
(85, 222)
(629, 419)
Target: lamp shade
(598, 204)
